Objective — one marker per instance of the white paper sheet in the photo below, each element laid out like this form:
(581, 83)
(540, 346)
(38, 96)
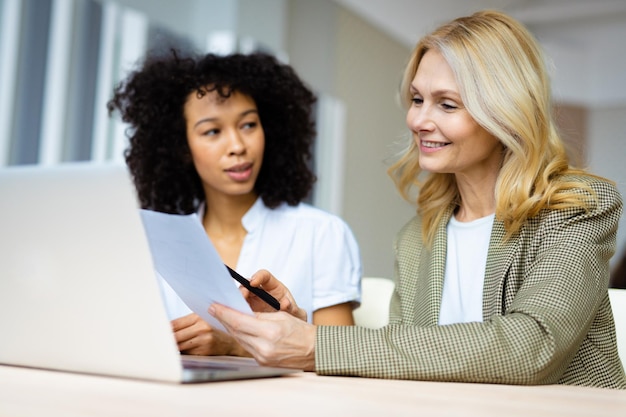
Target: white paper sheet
(185, 257)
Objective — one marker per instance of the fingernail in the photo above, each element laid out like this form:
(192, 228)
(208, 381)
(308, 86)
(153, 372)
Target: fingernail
(212, 310)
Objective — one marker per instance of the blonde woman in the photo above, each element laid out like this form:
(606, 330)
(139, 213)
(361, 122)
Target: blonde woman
(502, 275)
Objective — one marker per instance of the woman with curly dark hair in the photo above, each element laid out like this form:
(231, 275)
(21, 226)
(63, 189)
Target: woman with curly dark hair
(229, 137)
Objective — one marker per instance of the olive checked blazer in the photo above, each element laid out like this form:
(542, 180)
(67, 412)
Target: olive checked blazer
(546, 312)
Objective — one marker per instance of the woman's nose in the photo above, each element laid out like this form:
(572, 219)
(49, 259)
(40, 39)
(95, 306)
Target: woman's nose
(419, 119)
(236, 145)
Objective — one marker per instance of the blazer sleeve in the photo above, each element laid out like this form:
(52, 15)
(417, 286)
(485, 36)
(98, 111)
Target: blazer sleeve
(565, 275)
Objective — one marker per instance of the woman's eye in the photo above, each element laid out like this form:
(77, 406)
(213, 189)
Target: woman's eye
(449, 106)
(249, 125)
(417, 100)
(211, 132)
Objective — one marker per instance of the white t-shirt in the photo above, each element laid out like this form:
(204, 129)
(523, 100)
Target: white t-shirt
(466, 258)
(314, 253)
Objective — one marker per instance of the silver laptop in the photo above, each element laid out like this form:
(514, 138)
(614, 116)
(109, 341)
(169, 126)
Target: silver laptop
(78, 290)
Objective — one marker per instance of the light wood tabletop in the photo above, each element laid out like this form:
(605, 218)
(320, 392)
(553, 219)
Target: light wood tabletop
(31, 392)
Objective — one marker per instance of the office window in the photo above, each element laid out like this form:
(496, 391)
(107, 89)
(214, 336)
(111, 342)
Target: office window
(9, 47)
(83, 72)
(29, 82)
(60, 61)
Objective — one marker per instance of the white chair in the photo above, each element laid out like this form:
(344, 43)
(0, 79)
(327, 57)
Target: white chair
(618, 305)
(375, 298)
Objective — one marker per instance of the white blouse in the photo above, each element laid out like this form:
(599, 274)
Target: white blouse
(466, 259)
(314, 253)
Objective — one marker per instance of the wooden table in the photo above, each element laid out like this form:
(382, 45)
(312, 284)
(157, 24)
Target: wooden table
(30, 392)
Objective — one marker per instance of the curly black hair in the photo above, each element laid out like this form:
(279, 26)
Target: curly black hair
(152, 98)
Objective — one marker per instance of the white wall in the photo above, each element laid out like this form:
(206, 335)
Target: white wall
(607, 155)
(195, 18)
(265, 20)
(369, 70)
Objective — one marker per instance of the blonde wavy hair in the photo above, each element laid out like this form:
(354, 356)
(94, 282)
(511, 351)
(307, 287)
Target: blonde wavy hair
(501, 75)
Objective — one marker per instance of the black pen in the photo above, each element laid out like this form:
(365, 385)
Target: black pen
(262, 294)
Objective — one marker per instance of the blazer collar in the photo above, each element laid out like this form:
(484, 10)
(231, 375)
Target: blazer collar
(433, 265)
(499, 259)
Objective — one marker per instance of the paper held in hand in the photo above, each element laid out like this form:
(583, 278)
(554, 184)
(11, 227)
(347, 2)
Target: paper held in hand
(185, 257)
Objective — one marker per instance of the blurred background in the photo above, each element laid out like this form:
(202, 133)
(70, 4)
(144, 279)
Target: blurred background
(60, 60)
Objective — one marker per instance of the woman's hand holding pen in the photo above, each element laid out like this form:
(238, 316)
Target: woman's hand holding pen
(282, 338)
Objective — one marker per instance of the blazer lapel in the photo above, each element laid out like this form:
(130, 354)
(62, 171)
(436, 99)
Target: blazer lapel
(500, 256)
(433, 265)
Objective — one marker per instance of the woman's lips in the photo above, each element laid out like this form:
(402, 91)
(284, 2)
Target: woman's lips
(430, 146)
(241, 172)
